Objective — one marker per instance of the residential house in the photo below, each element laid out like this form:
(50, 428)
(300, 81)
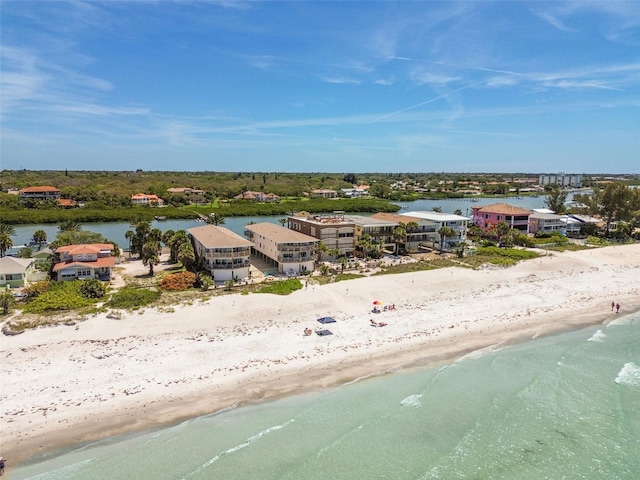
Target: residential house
(16, 272)
(380, 231)
(257, 196)
(424, 235)
(431, 224)
(335, 231)
(186, 190)
(80, 262)
(223, 253)
(323, 193)
(144, 199)
(354, 192)
(543, 222)
(289, 251)
(488, 216)
(66, 203)
(44, 192)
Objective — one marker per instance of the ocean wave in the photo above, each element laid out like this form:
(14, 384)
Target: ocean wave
(597, 337)
(234, 449)
(629, 375)
(412, 401)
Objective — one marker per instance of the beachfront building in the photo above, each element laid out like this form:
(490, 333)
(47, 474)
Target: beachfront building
(419, 231)
(561, 179)
(144, 199)
(543, 222)
(335, 231)
(379, 231)
(489, 216)
(80, 262)
(44, 192)
(430, 225)
(289, 251)
(223, 253)
(17, 272)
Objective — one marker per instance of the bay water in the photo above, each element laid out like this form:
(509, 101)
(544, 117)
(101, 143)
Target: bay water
(565, 406)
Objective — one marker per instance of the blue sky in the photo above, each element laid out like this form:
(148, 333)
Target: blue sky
(327, 86)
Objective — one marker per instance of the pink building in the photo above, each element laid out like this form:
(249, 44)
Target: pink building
(488, 216)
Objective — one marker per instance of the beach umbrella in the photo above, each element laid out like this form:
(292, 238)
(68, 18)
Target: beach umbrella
(377, 302)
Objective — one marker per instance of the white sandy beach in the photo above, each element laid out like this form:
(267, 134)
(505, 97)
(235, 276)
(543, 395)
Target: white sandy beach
(62, 385)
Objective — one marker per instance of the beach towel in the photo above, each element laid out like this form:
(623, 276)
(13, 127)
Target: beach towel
(327, 320)
(323, 333)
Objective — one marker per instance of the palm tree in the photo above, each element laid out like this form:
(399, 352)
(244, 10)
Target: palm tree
(151, 254)
(129, 235)
(69, 226)
(6, 300)
(445, 232)
(5, 243)
(499, 230)
(39, 236)
(322, 249)
(399, 236)
(215, 219)
(364, 244)
(282, 221)
(8, 229)
(186, 255)
(176, 241)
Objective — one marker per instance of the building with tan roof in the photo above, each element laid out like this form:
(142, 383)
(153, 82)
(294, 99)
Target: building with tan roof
(223, 253)
(490, 215)
(334, 230)
(289, 251)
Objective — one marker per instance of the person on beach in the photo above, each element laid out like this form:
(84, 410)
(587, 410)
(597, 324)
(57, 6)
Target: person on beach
(2, 462)
(617, 308)
(613, 304)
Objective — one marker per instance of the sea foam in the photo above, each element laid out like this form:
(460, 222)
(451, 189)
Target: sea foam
(412, 401)
(597, 337)
(629, 375)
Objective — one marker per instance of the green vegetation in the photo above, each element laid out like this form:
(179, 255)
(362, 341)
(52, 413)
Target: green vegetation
(59, 297)
(284, 287)
(131, 298)
(500, 256)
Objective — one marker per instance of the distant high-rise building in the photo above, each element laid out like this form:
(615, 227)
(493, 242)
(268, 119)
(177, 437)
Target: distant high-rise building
(561, 179)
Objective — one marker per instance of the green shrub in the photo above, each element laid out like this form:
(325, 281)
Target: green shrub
(92, 288)
(132, 298)
(59, 297)
(509, 253)
(284, 287)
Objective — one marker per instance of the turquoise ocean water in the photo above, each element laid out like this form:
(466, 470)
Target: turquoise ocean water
(560, 407)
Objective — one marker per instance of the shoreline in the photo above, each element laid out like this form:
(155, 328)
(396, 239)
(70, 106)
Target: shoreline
(156, 369)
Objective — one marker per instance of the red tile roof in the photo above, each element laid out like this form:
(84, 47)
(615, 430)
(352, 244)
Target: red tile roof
(85, 248)
(43, 188)
(503, 209)
(100, 262)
